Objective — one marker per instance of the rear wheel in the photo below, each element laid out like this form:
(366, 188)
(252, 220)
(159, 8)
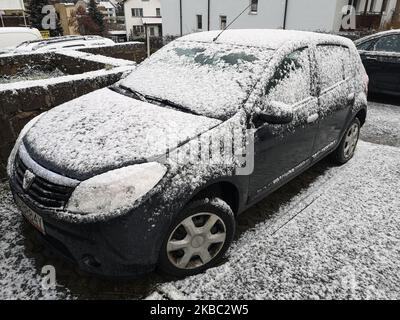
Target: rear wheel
(348, 145)
(198, 239)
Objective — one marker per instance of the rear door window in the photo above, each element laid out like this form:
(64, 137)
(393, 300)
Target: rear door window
(291, 82)
(388, 44)
(332, 61)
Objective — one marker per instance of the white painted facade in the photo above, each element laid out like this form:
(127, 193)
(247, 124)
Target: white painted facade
(322, 15)
(108, 10)
(139, 13)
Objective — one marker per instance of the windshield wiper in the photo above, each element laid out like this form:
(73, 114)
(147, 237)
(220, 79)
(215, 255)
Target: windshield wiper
(171, 104)
(138, 95)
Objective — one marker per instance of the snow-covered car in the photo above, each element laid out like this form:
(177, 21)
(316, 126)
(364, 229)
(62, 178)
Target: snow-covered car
(14, 36)
(64, 42)
(140, 175)
(380, 54)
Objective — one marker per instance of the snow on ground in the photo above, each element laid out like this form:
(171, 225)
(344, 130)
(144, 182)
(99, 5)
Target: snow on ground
(19, 276)
(383, 124)
(337, 238)
(22, 258)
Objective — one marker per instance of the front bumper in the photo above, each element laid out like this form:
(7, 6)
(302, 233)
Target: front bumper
(125, 246)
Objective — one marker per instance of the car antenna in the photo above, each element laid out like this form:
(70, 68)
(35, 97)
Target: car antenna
(216, 38)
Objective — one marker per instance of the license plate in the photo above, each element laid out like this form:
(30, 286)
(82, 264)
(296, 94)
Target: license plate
(33, 218)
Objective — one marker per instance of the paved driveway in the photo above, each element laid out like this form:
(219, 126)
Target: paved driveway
(330, 233)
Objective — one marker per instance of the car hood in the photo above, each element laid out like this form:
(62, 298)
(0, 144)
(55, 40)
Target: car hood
(105, 130)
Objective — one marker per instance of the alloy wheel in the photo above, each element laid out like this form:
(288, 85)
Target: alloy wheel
(351, 140)
(196, 240)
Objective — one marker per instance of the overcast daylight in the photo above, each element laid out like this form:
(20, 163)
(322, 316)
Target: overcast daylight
(212, 151)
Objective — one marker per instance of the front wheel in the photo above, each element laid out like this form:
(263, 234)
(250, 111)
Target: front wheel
(198, 239)
(347, 146)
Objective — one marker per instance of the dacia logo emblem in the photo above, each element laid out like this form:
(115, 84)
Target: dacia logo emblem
(28, 180)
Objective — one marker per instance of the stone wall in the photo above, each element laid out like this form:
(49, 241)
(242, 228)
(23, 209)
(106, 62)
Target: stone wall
(11, 64)
(20, 102)
(133, 51)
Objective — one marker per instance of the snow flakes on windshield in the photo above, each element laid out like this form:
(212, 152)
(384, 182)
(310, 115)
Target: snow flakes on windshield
(212, 80)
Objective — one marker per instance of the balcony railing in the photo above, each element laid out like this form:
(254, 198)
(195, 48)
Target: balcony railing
(369, 20)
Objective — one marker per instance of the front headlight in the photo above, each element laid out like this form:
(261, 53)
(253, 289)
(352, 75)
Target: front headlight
(11, 158)
(115, 190)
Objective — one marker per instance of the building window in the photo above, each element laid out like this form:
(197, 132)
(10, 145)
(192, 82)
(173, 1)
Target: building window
(137, 12)
(253, 6)
(199, 22)
(222, 22)
(152, 33)
(138, 30)
(158, 12)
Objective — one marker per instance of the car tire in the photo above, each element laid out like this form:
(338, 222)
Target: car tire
(345, 150)
(204, 226)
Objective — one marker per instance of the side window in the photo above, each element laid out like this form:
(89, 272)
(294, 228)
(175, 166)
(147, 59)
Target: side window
(291, 82)
(388, 44)
(366, 46)
(331, 67)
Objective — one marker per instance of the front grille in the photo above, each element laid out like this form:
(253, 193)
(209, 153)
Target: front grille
(41, 191)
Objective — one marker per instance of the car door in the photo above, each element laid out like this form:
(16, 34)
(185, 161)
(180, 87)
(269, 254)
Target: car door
(336, 94)
(281, 150)
(385, 63)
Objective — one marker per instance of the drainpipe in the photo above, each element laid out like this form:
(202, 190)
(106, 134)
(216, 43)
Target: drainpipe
(180, 15)
(208, 14)
(366, 6)
(285, 14)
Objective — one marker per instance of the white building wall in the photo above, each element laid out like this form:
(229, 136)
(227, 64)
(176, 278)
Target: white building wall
(323, 15)
(311, 15)
(149, 10)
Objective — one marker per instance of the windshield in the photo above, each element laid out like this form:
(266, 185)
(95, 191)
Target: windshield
(208, 79)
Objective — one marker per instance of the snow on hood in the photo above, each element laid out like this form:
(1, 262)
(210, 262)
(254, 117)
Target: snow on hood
(105, 130)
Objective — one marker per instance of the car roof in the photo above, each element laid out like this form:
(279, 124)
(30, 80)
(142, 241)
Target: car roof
(19, 30)
(64, 39)
(266, 38)
(377, 35)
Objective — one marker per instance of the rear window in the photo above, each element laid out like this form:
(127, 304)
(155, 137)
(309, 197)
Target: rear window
(334, 64)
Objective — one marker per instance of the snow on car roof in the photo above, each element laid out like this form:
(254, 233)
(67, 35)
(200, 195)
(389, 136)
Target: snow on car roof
(267, 38)
(377, 35)
(18, 30)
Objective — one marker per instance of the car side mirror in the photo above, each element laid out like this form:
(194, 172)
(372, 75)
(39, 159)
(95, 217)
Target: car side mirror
(274, 113)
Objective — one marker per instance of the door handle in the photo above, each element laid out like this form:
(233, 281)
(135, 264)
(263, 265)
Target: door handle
(312, 118)
(372, 58)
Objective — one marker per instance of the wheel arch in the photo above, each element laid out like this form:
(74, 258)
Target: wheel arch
(226, 190)
(362, 116)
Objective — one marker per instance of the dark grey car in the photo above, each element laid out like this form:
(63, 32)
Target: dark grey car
(141, 175)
